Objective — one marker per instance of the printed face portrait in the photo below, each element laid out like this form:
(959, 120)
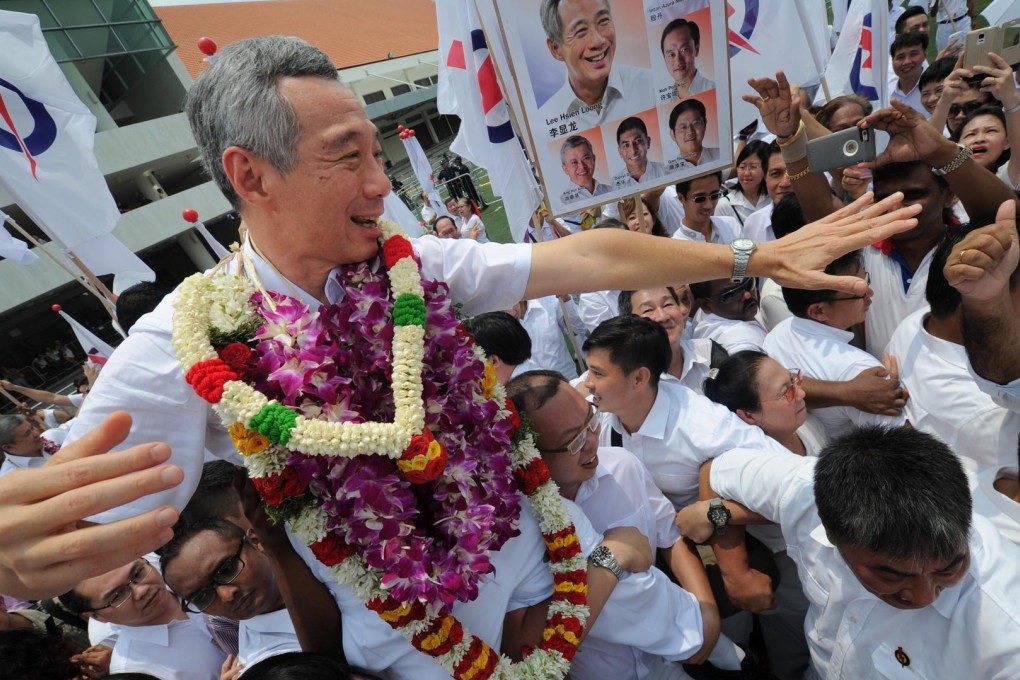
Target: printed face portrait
(588, 44)
(679, 51)
(688, 132)
(633, 148)
(579, 165)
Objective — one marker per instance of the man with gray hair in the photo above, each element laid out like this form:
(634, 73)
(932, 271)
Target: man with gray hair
(21, 442)
(582, 35)
(578, 159)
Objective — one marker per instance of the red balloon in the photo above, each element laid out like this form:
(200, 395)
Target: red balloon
(190, 215)
(400, 128)
(410, 133)
(56, 308)
(207, 45)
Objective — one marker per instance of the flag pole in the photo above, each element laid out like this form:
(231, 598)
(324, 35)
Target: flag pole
(812, 48)
(86, 280)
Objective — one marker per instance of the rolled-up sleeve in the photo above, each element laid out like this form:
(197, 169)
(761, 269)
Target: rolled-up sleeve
(483, 277)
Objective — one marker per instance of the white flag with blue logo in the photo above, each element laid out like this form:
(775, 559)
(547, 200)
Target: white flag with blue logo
(860, 61)
(469, 89)
(47, 162)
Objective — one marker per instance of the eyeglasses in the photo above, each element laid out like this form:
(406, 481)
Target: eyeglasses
(749, 167)
(574, 446)
(139, 571)
(696, 124)
(867, 280)
(737, 292)
(713, 196)
(957, 109)
(224, 575)
(790, 391)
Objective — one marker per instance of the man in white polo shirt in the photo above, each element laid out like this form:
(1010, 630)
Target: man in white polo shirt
(817, 340)
(21, 443)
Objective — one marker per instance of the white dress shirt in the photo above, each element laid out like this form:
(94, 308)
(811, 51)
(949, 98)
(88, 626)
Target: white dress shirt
(946, 402)
(697, 363)
(971, 631)
(597, 306)
(472, 222)
(653, 171)
(758, 225)
(733, 334)
(825, 353)
(911, 98)
(671, 211)
(144, 378)
(682, 431)
(891, 303)
(724, 230)
(578, 193)
(628, 90)
(1006, 396)
(179, 650)
(736, 205)
(544, 322)
(650, 616)
(1001, 511)
(12, 462)
(708, 154)
(667, 95)
(266, 635)
(772, 307)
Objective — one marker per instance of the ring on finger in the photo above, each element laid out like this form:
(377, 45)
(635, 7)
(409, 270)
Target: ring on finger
(963, 253)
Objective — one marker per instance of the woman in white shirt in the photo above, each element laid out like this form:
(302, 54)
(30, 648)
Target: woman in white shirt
(749, 192)
(472, 227)
(762, 392)
(428, 213)
(985, 133)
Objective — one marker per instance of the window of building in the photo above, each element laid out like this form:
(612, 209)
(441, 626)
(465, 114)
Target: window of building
(373, 97)
(398, 90)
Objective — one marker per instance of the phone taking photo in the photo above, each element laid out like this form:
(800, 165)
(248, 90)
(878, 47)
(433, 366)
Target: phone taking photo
(840, 149)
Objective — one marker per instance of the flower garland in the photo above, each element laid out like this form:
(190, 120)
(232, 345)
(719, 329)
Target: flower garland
(403, 510)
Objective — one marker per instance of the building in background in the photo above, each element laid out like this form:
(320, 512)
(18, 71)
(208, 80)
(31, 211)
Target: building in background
(132, 64)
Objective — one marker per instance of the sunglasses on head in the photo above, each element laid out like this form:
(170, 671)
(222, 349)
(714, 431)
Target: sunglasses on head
(957, 109)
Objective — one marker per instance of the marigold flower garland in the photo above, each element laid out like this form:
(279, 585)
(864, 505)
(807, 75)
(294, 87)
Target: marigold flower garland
(294, 411)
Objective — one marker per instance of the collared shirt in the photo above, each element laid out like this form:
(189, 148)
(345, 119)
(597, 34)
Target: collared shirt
(12, 462)
(1003, 512)
(671, 211)
(971, 631)
(758, 225)
(682, 431)
(266, 635)
(772, 305)
(911, 98)
(647, 615)
(628, 90)
(945, 400)
(897, 296)
(708, 154)
(179, 650)
(733, 334)
(738, 206)
(653, 171)
(697, 363)
(144, 377)
(579, 193)
(544, 322)
(471, 223)
(698, 85)
(1006, 396)
(597, 306)
(725, 230)
(825, 353)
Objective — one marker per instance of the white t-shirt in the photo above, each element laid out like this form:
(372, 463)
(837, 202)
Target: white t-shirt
(733, 334)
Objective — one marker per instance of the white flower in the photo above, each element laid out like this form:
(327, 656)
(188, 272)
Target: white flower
(230, 305)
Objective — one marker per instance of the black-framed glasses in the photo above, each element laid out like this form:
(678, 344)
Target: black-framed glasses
(712, 196)
(737, 292)
(847, 298)
(139, 571)
(790, 390)
(574, 446)
(224, 575)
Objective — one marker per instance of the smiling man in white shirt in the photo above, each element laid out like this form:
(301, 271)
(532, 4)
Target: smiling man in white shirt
(903, 581)
(21, 443)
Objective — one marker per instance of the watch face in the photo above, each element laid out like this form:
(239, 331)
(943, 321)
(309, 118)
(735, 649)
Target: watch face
(743, 244)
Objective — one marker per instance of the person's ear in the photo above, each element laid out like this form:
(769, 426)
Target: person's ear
(818, 311)
(747, 416)
(246, 173)
(253, 538)
(641, 376)
(554, 49)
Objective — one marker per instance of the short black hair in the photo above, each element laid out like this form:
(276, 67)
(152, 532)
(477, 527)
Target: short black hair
(135, 302)
(733, 384)
(304, 666)
(73, 602)
(530, 390)
(633, 342)
(34, 654)
(631, 123)
(911, 39)
(215, 495)
(937, 71)
(624, 306)
(772, 150)
(798, 300)
(686, 105)
(503, 336)
(891, 171)
(185, 532)
(435, 225)
(676, 25)
(895, 491)
(610, 223)
(683, 187)
(787, 216)
(995, 111)
(908, 13)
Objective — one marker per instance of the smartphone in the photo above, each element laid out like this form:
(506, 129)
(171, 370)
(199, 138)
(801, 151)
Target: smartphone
(1004, 40)
(840, 149)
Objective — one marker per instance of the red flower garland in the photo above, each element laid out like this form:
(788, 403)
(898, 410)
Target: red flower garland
(274, 489)
(238, 356)
(532, 475)
(208, 377)
(331, 550)
(394, 249)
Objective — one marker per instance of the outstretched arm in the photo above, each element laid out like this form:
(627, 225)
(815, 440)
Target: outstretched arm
(41, 396)
(604, 259)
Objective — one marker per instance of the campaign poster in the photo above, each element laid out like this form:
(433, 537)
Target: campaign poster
(619, 96)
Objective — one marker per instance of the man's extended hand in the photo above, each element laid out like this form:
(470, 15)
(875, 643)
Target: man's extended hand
(911, 137)
(876, 390)
(778, 108)
(43, 552)
(693, 522)
(750, 590)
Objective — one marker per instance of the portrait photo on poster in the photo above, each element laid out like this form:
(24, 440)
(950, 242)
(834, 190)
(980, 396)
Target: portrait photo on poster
(598, 81)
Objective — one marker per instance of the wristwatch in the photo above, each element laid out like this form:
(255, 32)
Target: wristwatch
(603, 557)
(719, 515)
(742, 249)
(959, 159)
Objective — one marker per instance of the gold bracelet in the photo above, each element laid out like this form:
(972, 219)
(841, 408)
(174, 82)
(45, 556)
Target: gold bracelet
(790, 140)
(800, 175)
